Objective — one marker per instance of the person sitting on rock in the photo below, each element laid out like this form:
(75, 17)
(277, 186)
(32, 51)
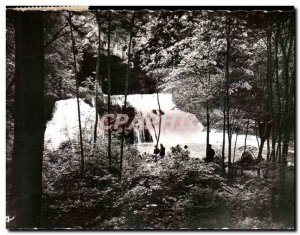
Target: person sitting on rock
(176, 149)
(186, 152)
(162, 151)
(210, 154)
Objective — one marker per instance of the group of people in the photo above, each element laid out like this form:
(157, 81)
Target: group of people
(178, 149)
(210, 153)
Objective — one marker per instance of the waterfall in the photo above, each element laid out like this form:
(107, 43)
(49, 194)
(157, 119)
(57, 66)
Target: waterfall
(64, 123)
(146, 104)
(194, 137)
(142, 136)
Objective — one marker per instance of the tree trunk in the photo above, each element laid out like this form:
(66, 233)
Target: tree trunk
(208, 128)
(247, 129)
(228, 30)
(159, 111)
(256, 127)
(270, 91)
(126, 91)
(77, 93)
(96, 115)
(260, 149)
(277, 136)
(29, 121)
(97, 79)
(207, 106)
(268, 149)
(223, 142)
(237, 133)
(108, 89)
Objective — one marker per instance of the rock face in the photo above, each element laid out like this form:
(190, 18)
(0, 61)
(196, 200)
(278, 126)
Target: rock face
(64, 123)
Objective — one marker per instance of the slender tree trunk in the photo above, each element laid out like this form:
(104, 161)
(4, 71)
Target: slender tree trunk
(159, 110)
(256, 127)
(207, 106)
(77, 93)
(126, 91)
(247, 129)
(237, 133)
(96, 115)
(269, 71)
(260, 149)
(29, 121)
(278, 151)
(270, 93)
(229, 129)
(154, 130)
(208, 128)
(223, 142)
(268, 149)
(97, 79)
(109, 88)
(277, 122)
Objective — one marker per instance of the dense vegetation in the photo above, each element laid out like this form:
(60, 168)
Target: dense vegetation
(175, 192)
(234, 69)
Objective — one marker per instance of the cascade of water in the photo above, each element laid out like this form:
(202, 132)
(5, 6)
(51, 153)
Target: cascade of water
(194, 137)
(64, 123)
(170, 134)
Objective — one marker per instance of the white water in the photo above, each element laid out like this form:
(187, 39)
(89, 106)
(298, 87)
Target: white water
(64, 125)
(145, 104)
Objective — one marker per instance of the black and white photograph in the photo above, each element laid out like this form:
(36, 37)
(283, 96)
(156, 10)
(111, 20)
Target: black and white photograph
(150, 118)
